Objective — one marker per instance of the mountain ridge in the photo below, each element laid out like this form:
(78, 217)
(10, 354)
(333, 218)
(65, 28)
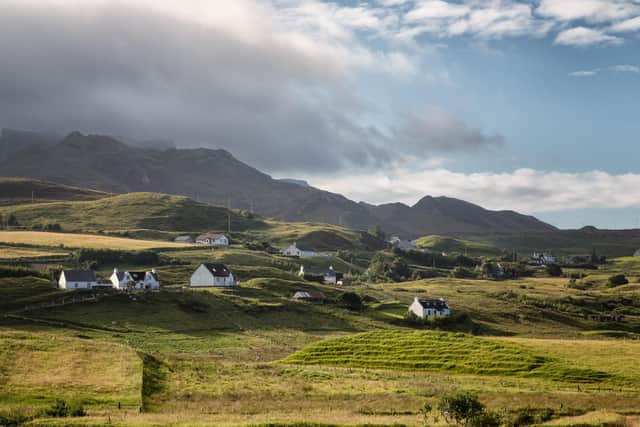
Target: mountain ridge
(214, 175)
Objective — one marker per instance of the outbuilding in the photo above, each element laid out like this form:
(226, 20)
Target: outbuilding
(77, 279)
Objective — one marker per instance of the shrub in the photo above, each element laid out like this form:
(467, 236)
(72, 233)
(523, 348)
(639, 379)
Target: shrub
(111, 257)
(351, 300)
(460, 407)
(16, 271)
(553, 270)
(618, 280)
(463, 273)
(487, 419)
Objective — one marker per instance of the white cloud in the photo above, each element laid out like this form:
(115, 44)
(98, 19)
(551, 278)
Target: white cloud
(583, 36)
(626, 68)
(524, 190)
(628, 26)
(588, 10)
(584, 73)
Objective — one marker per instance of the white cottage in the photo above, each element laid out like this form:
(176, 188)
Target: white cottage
(210, 274)
(135, 280)
(302, 252)
(329, 276)
(77, 279)
(429, 308)
(213, 239)
(404, 245)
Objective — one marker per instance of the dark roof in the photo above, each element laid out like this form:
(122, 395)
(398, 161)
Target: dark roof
(138, 276)
(438, 304)
(218, 270)
(319, 271)
(80, 275)
(303, 247)
(154, 275)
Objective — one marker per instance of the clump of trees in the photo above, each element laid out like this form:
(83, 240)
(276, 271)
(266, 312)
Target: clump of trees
(461, 408)
(97, 258)
(618, 280)
(554, 270)
(61, 408)
(351, 301)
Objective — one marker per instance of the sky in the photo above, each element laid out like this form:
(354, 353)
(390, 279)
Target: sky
(523, 105)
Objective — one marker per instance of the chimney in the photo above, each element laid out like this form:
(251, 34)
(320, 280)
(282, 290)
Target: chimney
(115, 270)
(153, 270)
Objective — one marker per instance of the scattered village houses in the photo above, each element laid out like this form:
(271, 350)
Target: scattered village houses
(212, 274)
(541, 258)
(183, 239)
(213, 239)
(77, 279)
(328, 275)
(404, 245)
(429, 308)
(300, 251)
(135, 280)
(313, 296)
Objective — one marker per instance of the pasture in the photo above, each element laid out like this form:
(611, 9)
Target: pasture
(95, 241)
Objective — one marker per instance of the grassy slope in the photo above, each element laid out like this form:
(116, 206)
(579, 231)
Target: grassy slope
(214, 346)
(15, 191)
(132, 211)
(68, 240)
(437, 351)
(448, 244)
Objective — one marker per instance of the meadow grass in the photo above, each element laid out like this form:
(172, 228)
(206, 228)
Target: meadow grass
(15, 253)
(68, 240)
(437, 351)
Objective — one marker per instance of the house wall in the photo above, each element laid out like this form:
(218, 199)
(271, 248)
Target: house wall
(202, 277)
(63, 284)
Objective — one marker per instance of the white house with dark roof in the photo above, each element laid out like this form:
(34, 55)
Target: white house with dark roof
(77, 279)
(212, 274)
(422, 308)
(329, 275)
(213, 239)
(135, 280)
(300, 251)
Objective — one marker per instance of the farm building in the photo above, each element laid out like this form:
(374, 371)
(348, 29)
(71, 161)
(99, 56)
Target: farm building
(404, 245)
(137, 280)
(541, 258)
(213, 239)
(77, 279)
(209, 274)
(329, 275)
(315, 296)
(429, 308)
(183, 239)
(302, 252)
(637, 253)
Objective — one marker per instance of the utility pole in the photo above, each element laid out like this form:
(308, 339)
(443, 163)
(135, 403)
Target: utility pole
(33, 196)
(229, 222)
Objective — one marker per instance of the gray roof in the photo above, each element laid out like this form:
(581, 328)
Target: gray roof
(210, 236)
(438, 304)
(183, 239)
(303, 248)
(218, 270)
(79, 275)
(138, 276)
(317, 295)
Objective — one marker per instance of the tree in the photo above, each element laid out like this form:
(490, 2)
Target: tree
(618, 280)
(378, 266)
(12, 221)
(351, 300)
(426, 411)
(378, 232)
(554, 270)
(460, 407)
(400, 268)
(463, 273)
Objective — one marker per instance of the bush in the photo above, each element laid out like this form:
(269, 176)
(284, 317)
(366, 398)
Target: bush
(463, 273)
(105, 257)
(460, 407)
(61, 409)
(351, 300)
(16, 271)
(553, 270)
(618, 280)
(487, 419)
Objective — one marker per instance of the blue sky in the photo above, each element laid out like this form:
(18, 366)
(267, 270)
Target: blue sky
(511, 104)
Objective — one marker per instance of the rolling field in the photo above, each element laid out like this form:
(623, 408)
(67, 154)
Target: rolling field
(15, 253)
(38, 238)
(437, 351)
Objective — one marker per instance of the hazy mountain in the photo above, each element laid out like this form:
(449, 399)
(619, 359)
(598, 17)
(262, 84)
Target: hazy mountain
(106, 164)
(432, 215)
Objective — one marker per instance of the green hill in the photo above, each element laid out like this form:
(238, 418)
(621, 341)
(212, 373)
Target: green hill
(134, 211)
(449, 244)
(436, 351)
(15, 191)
